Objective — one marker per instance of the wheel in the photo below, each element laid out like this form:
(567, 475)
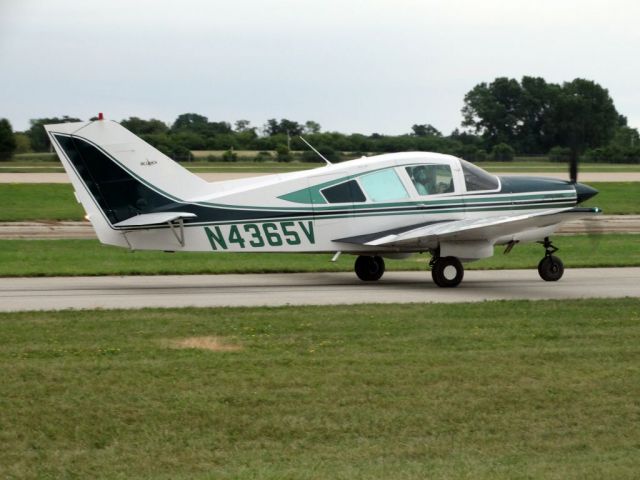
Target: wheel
(447, 272)
(369, 269)
(551, 268)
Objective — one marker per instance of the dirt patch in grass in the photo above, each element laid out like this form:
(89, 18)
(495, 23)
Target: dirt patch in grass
(214, 344)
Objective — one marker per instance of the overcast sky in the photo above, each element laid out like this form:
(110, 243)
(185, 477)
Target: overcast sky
(353, 66)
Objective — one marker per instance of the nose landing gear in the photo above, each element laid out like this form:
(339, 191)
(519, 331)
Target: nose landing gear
(550, 267)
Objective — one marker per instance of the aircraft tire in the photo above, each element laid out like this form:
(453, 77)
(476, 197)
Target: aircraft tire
(551, 268)
(368, 268)
(447, 272)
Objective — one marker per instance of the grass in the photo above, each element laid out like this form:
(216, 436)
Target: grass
(38, 201)
(88, 257)
(55, 201)
(495, 390)
(34, 157)
(616, 198)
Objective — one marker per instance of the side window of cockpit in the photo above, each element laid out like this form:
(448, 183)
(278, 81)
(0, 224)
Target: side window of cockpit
(431, 179)
(383, 186)
(347, 192)
(477, 179)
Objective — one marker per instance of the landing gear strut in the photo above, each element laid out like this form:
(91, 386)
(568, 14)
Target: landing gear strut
(550, 267)
(369, 269)
(446, 272)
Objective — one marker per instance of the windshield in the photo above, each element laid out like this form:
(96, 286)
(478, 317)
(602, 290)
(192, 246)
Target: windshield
(477, 179)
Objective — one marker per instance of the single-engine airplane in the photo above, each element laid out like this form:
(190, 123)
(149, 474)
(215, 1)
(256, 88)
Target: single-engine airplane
(385, 206)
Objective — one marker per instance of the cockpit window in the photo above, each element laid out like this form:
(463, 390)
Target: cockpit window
(347, 192)
(383, 186)
(431, 179)
(477, 179)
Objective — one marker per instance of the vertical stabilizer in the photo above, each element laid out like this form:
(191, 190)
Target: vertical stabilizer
(117, 175)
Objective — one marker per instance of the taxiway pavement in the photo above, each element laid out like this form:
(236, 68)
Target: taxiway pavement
(19, 294)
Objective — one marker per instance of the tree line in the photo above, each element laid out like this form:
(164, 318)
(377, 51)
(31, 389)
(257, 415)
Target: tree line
(501, 119)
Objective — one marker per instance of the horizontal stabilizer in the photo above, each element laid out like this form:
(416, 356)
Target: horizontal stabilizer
(148, 219)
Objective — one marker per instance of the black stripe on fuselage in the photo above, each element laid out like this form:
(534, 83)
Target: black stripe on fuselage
(120, 195)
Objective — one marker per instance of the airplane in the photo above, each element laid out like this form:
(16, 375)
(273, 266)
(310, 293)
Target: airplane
(387, 206)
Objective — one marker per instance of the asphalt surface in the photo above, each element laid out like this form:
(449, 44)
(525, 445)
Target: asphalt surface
(56, 293)
(585, 177)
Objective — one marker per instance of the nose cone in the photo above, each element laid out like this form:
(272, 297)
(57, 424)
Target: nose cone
(584, 192)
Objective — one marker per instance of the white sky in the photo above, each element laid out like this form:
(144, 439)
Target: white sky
(353, 66)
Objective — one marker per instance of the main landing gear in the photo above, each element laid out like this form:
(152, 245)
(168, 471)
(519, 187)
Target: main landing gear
(550, 267)
(369, 269)
(447, 272)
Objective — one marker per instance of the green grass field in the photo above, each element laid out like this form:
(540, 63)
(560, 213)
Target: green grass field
(495, 390)
(88, 257)
(23, 201)
(38, 201)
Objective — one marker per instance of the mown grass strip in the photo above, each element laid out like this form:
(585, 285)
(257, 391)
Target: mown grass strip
(88, 257)
(495, 390)
(38, 201)
(23, 202)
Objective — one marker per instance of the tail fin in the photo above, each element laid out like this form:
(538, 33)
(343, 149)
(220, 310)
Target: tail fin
(116, 175)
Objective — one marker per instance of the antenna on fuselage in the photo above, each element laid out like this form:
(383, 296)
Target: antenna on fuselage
(317, 152)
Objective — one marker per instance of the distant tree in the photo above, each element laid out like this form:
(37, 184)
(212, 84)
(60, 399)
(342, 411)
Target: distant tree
(534, 133)
(626, 137)
(283, 153)
(559, 154)
(311, 127)
(190, 121)
(465, 138)
(216, 128)
(23, 145)
(290, 127)
(613, 153)
(284, 127)
(7, 140)
(425, 130)
(623, 148)
(583, 116)
(533, 115)
(493, 110)
(271, 128)
(502, 153)
(246, 139)
(199, 124)
(262, 156)
(189, 140)
(230, 156)
(243, 126)
(144, 127)
(37, 135)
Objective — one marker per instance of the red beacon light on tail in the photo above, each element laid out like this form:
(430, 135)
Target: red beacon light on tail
(100, 116)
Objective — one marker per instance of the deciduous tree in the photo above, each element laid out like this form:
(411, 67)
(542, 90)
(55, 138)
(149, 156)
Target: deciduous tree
(7, 140)
(37, 135)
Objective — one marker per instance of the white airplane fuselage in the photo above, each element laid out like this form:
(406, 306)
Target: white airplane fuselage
(387, 205)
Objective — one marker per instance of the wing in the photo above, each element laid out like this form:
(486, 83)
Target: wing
(477, 229)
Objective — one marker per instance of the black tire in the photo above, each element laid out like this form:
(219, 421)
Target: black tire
(550, 268)
(369, 269)
(447, 272)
